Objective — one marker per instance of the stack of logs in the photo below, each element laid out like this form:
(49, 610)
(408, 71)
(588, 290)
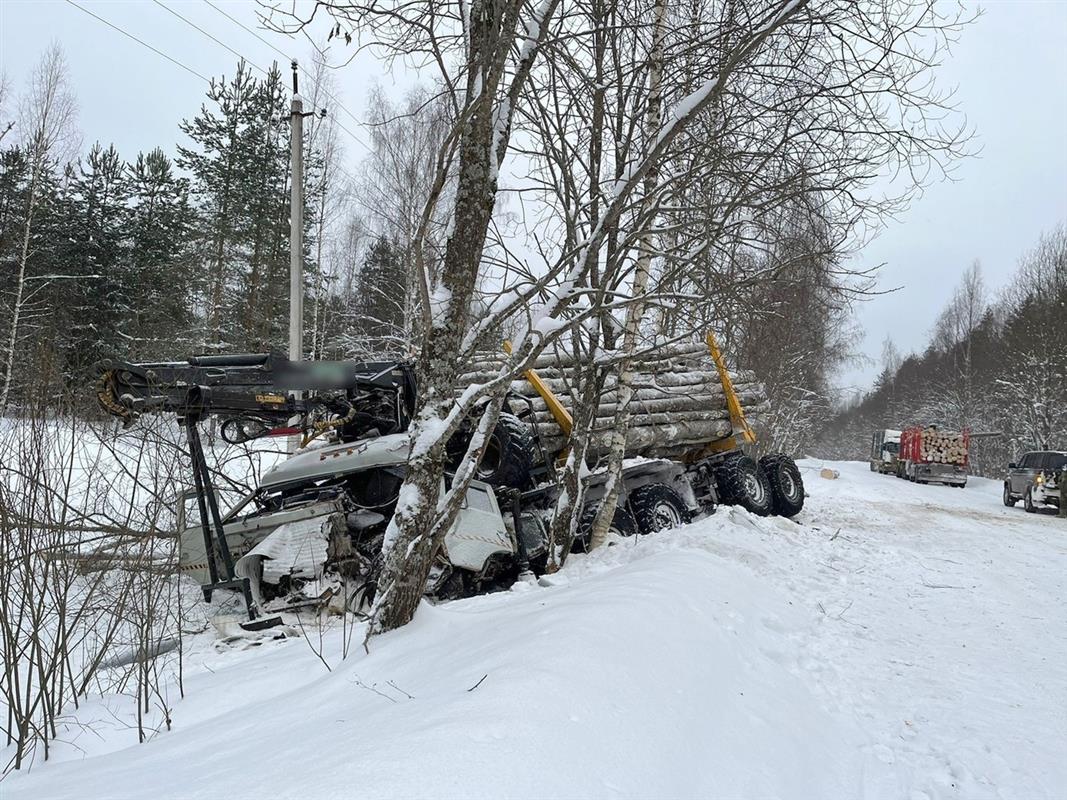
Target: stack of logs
(942, 447)
(678, 402)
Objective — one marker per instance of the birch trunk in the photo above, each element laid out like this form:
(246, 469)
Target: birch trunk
(412, 536)
(48, 114)
(635, 312)
(20, 286)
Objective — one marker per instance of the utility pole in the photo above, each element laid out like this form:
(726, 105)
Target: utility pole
(296, 233)
(296, 225)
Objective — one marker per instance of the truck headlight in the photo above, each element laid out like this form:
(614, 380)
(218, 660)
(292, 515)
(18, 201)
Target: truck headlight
(1039, 479)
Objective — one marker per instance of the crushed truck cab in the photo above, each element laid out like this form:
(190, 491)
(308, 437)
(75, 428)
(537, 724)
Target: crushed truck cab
(321, 517)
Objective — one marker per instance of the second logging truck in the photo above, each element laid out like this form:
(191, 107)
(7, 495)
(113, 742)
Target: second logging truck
(931, 455)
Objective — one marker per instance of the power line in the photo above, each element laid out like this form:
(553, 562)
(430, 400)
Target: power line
(249, 61)
(333, 99)
(248, 30)
(192, 71)
(220, 43)
(141, 42)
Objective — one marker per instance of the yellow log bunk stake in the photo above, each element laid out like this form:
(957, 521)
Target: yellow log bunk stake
(738, 423)
(562, 415)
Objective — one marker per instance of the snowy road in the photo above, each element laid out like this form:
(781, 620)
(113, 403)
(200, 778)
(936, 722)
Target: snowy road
(943, 632)
(904, 641)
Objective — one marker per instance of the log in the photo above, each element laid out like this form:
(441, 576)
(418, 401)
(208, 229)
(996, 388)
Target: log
(560, 358)
(678, 404)
(653, 402)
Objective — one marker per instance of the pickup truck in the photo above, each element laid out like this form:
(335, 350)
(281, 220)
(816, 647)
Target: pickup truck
(1037, 479)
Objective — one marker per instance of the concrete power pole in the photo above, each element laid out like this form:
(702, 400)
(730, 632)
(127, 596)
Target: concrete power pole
(296, 225)
(296, 233)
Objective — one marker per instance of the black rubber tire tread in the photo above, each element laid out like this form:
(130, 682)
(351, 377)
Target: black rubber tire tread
(732, 477)
(514, 443)
(1009, 501)
(723, 486)
(622, 522)
(781, 470)
(645, 499)
(1028, 502)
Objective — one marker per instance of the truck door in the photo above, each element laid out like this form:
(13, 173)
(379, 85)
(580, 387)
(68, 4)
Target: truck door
(479, 531)
(1021, 477)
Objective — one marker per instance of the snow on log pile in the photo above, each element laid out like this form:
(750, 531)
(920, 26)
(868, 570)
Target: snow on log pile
(678, 406)
(942, 447)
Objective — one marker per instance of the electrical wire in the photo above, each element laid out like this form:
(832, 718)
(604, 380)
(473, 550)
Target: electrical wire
(333, 99)
(193, 72)
(141, 42)
(220, 43)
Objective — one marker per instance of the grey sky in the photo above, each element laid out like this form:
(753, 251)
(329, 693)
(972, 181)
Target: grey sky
(1011, 71)
(1010, 68)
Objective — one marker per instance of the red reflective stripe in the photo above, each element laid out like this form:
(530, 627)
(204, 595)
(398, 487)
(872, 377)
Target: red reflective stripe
(289, 431)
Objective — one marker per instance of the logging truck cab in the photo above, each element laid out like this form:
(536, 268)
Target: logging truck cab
(885, 450)
(322, 514)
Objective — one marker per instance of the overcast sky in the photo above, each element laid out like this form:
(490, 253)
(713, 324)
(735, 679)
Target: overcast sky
(1010, 68)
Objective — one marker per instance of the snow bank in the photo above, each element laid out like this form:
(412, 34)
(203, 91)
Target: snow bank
(901, 642)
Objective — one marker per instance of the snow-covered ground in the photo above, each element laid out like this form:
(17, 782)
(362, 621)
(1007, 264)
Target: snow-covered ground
(903, 641)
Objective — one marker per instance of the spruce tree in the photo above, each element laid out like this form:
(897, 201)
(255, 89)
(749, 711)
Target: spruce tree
(380, 289)
(86, 291)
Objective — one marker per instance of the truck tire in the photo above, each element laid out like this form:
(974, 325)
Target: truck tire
(657, 507)
(787, 486)
(509, 456)
(622, 523)
(1009, 501)
(1028, 502)
(741, 482)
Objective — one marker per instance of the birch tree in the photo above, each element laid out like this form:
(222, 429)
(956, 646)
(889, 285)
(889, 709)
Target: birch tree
(47, 117)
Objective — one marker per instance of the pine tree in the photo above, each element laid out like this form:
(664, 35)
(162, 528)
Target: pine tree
(158, 272)
(218, 161)
(239, 167)
(264, 288)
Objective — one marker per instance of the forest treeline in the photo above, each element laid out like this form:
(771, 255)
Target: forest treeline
(185, 248)
(994, 365)
(181, 249)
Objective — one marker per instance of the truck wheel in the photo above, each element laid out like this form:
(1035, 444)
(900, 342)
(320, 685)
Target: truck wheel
(787, 487)
(741, 482)
(509, 456)
(1009, 501)
(622, 524)
(657, 507)
(1028, 502)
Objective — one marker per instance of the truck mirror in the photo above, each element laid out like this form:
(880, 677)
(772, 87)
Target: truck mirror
(1012, 465)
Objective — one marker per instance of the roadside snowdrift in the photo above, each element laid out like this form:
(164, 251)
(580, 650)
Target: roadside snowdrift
(904, 642)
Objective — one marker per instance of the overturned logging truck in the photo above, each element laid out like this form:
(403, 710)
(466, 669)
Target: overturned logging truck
(313, 530)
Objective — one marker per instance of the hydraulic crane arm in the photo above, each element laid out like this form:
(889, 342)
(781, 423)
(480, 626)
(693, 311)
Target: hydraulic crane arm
(256, 392)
